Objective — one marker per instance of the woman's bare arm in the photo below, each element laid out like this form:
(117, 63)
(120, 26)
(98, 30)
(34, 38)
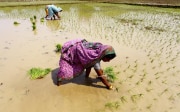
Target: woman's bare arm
(102, 78)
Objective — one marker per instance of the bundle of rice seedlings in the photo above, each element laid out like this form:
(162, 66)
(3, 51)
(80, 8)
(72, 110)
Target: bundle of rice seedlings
(38, 73)
(109, 72)
(58, 48)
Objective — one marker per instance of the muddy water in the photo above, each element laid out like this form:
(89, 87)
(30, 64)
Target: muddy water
(147, 62)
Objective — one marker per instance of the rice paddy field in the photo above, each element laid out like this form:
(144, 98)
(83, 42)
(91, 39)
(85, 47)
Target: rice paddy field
(146, 40)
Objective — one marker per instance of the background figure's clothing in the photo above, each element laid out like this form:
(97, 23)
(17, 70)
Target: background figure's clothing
(77, 55)
(51, 10)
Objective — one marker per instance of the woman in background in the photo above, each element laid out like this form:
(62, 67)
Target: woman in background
(52, 12)
(79, 55)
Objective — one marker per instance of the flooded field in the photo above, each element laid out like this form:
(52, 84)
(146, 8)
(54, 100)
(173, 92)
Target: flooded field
(146, 39)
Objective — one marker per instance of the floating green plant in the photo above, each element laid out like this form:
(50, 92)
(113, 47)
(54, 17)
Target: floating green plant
(38, 73)
(58, 47)
(16, 23)
(111, 76)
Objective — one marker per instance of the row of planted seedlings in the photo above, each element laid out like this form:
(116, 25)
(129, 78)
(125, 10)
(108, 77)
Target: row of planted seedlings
(141, 39)
(149, 73)
(145, 87)
(148, 79)
(33, 21)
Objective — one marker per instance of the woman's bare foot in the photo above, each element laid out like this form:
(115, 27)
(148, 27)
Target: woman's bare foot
(58, 83)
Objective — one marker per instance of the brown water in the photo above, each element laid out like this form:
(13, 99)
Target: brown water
(147, 62)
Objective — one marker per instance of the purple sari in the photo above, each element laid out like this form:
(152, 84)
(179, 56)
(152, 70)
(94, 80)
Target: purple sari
(77, 55)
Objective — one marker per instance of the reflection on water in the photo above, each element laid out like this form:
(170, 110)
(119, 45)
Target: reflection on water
(53, 25)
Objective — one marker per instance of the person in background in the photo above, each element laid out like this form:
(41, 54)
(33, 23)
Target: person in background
(79, 55)
(52, 12)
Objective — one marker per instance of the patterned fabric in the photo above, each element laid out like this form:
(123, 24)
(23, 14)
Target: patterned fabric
(77, 55)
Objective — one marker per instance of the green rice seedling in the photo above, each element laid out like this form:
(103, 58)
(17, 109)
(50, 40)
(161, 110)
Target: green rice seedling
(58, 48)
(168, 69)
(117, 89)
(178, 94)
(178, 71)
(144, 63)
(116, 105)
(145, 74)
(156, 73)
(118, 72)
(38, 73)
(42, 20)
(34, 27)
(138, 82)
(111, 76)
(134, 70)
(35, 17)
(164, 82)
(174, 67)
(109, 105)
(124, 70)
(152, 60)
(136, 65)
(134, 98)
(150, 82)
(148, 90)
(160, 64)
(142, 79)
(31, 19)
(140, 95)
(171, 98)
(157, 77)
(34, 23)
(112, 105)
(149, 106)
(123, 99)
(131, 76)
(165, 90)
(16, 23)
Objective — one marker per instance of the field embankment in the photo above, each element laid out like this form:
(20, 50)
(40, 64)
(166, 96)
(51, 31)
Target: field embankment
(158, 3)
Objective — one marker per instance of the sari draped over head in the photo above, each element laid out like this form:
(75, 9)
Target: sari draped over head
(77, 55)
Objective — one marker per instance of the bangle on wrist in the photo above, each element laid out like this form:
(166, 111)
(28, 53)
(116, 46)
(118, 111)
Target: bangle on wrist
(110, 87)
